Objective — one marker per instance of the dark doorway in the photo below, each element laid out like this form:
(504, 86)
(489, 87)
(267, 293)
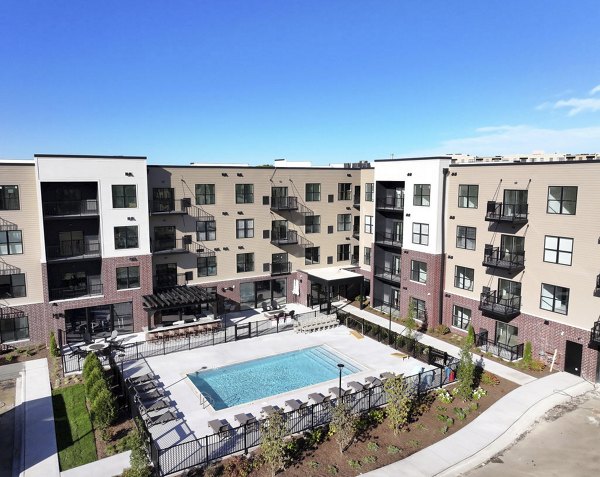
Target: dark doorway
(573, 353)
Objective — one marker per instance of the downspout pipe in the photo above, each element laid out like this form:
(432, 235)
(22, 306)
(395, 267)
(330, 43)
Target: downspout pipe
(445, 172)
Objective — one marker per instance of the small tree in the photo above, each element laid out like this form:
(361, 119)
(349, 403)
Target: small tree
(104, 409)
(343, 424)
(272, 445)
(410, 323)
(93, 390)
(138, 460)
(54, 352)
(527, 354)
(471, 334)
(400, 402)
(91, 362)
(91, 381)
(466, 370)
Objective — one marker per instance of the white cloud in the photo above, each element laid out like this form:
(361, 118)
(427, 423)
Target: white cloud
(520, 139)
(595, 90)
(578, 105)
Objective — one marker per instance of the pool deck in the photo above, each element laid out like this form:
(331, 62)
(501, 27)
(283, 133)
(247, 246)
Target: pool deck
(171, 369)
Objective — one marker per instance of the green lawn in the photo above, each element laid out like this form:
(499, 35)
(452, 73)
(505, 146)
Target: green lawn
(74, 434)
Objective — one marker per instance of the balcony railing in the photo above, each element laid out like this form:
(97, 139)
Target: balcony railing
(387, 273)
(281, 268)
(498, 307)
(390, 203)
(168, 280)
(76, 291)
(289, 237)
(169, 206)
(80, 249)
(500, 258)
(170, 245)
(388, 238)
(354, 260)
(595, 336)
(356, 233)
(506, 212)
(504, 351)
(70, 208)
(356, 202)
(284, 203)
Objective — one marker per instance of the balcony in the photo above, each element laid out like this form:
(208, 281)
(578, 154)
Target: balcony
(74, 249)
(356, 202)
(171, 245)
(354, 260)
(281, 268)
(76, 291)
(394, 204)
(505, 260)
(388, 274)
(493, 305)
(388, 239)
(168, 280)
(506, 213)
(595, 336)
(284, 203)
(504, 351)
(356, 233)
(169, 206)
(71, 208)
(288, 237)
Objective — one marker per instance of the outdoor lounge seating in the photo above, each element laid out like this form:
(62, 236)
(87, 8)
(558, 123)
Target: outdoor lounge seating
(244, 419)
(145, 387)
(336, 392)
(219, 425)
(372, 381)
(266, 411)
(317, 398)
(150, 395)
(386, 375)
(144, 378)
(157, 405)
(294, 404)
(317, 323)
(355, 386)
(160, 419)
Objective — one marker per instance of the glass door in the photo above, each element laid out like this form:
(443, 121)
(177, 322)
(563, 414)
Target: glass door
(397, 231)
(71, 243)
(506, 334)
(395, 265)
(509, 292)
(515, 203)
(399, 198)
(511, 248)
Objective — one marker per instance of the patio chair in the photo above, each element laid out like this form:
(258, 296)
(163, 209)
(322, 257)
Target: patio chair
(160, 419)
(317, 398)
(275, 305)
(113, 336)
(150, 395)
(372, 381)
(87, 338)
(336, 392)
(291, 314)
(144, 378)
(157, 405)
(145, 387)
(219, 425)
(295, 404)
(355, 386)
(245, 418)
(386, 375)
(266, 411)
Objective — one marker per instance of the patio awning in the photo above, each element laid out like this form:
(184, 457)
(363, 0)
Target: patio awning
(333, 276)
(176, 297)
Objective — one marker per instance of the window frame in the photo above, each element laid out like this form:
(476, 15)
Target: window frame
(418, 273)
(312, 228)
(466, 237)
(367, 256)
(344, 194)
(208, 198)
(420, 234)
(369, 191)
(369, 224)
(210, 234)
(14, 330)
(553, 307)
(558, 251)
(460, 281)
(311, 260)
(8, 243)
(562, 200)
(418, 308)
(468, 196)
(127, 229)
(418, 197)
(246, 262)
(343, 252)
(6, 199)
(312, 195)
(128, 277)
(124, 196)
(202, 264)
(456, 317)
(12, 286)
(346, 225)
(246, 231)
(244, 193)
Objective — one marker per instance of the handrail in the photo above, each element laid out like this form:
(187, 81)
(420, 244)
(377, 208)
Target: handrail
(70, 207)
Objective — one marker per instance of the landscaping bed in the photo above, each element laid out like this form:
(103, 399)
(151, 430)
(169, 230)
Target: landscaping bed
(9, 355)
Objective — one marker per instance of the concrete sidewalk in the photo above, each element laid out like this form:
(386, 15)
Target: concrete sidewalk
(109, 466)
(491, 432)
(498, 369)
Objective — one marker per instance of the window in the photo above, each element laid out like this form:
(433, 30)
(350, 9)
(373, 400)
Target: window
(244, 228)
(11, 242)
(368, 224)
(419, 307)
(312, 224)
(128, 277)
(343, 252)
(205, 194)
(562, 200)
(344, 222)
(418, 271)
(369, 192)
(164, 238)
(126, 237)
(313, 192)
(311, 255)
(344, 191)
(554, 299)
(244, 193)
(465, 237)
(207, 266)
(422, 194)
(367, 259)
(420, 234)
(12, 286)
(463, 278)
(245, 262)
(557, 250)
(468, 196)
(14, 327)
(9, 197)
(124, 197)
(461, 317)
(166, 275)
(206, 230)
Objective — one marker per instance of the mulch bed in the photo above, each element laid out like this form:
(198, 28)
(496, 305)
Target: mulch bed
(9, 355)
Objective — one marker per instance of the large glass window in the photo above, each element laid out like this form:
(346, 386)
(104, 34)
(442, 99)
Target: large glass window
(259, 294)
(420, 234)
(206, 230)
(166, 275)
(422, 193)
(98, 319)
(244, 228)
(344, 191)
(463, 277)
(554, 298)
(244, 193)
(343, 252)
(11, 242)
(205, 194)
(369, 189)
(562, 200)
(14, 327)
(126, 237)
(124, 197)
(313, 192)
(9, 197)
(12, 286)
(419, 307)
(311, 255)
(468, 196)
(344, 222)
(207, 266)
(461, 317)
(465, 237)
(558, 250)
(367, 258)
(312, 224)
(418, 271)
(245, 262)
(369, 224)
(128, 277)
(164, 238)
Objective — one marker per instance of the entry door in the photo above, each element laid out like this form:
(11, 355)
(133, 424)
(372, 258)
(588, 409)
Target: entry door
(514, 202)
(573, 353)
(71, 243)
(397, 231)
(506, 334)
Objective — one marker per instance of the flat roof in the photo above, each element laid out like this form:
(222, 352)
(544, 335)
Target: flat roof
(330, 274)
(18, 162)
(88, 156)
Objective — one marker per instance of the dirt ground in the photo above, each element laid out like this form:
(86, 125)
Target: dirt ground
(564, 443)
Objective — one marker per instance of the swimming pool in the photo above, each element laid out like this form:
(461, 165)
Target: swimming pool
(244, 382)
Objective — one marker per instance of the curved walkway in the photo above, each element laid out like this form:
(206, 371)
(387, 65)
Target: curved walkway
(491, 432)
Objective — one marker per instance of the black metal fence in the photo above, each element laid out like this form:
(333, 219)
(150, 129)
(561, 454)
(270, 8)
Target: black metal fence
(504, 351)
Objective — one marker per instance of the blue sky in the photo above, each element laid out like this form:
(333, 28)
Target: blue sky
(324, 81)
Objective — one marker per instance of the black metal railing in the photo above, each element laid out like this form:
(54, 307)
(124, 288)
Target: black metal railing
(288, 237)
(356, 233)
(74, 248)
(170, 245)
(168, 280)
(169, 206)
(356, 201)
(70, 207)
(76, 291)
(281, 268)
(506, 212)
(499, 258)
(354, 260)
(387, 273)
(504, 351)
(388, 238)
(595, 334)
(493, 303)
(390, 203)
(284, 203)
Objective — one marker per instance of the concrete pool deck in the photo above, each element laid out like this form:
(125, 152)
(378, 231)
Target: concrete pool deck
(171, 369)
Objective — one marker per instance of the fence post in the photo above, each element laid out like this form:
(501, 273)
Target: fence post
(245, 439)
(189, 342)
(419, 386)
(370, 389)
(206, 447)
(312, 417)
(163, 341)
(213, 336)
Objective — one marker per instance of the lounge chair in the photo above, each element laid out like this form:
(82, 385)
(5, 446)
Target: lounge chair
(317, 398)
(160, 419)
(355, 386)
(294, 404)
(266, 411)
(151, 395)
(387, 375)
(372, 381)
(144, 378)
(157, 405)
(145, 387)
(219, 425)
(244, 418)
(336, 392)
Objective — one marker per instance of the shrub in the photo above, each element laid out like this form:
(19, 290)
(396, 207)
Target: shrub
(369, 459)
(272, 445)
(444, 396)
(373, 446)
(466, 369)
(527, 354)
(537, 365)
(90, 381)
(393, 450)
(343, 424)
(489, 379)
(354, 464)
(461, 414)
(479, 393)
(471, 334)
(332, 469)
(95, 388)
(312, 464)
(376, 416)
(104, 409)
(444, 429)
(400, 402)
(441, 329)
(53, 346)
(90, 363)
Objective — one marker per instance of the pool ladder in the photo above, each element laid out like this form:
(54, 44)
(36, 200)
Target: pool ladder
(205, 401)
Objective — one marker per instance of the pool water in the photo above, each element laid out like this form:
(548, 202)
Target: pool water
(244, 382)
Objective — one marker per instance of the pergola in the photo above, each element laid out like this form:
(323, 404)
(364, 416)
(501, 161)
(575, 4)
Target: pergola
(176, 298)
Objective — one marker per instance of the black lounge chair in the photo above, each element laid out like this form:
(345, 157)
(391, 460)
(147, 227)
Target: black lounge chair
(219, 425)
(144, 378)
(372, 381)
(244, 418)
(151, 395)
(266, 411)
(145, 387)
(355, 386)
(295, 404)
(318, 398)
(336, 392)
(157, 405)
(160, 419)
